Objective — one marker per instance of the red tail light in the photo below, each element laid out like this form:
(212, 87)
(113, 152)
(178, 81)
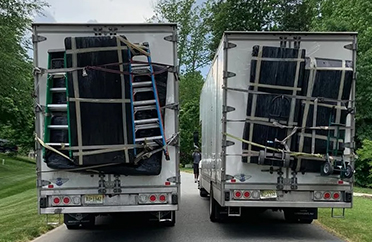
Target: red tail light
(237, 194)
(66, 200)
(167, 183)
(162, 198)
(327, 195)
(336, 195)
(246, 194)
(152, 198)
(56, 200)
(233, 180)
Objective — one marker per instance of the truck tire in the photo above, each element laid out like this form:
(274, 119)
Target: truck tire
(203, 192)
(348, 173)
(261, 157)
(326, 169)
(214, 208)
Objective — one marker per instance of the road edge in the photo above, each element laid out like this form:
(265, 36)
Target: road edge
(47, 233)
(331, 231)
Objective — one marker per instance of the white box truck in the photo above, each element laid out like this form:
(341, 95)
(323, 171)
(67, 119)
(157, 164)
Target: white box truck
(277, 115)
(106, 104)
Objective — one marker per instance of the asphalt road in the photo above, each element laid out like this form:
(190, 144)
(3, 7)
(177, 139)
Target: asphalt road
(193, 225)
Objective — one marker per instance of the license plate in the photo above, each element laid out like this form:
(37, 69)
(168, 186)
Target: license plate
(93, 199)
(269, 194)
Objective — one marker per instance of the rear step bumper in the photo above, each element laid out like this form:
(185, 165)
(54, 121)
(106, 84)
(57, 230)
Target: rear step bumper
(287, 204)
(109, 209)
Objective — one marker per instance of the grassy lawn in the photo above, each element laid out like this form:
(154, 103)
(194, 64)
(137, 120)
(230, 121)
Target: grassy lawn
(363, 190)
(357, 224)
(19, 220)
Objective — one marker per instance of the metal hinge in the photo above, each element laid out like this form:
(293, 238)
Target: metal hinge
(227, 109)
(228, 74)
(173, 106)
(172, 179)
(38, 38)
(228, 177)
(228, 45)
(351, 47)
(171, 38)
(173, 69)
(43, 183)
(228, 143)
(173, 140)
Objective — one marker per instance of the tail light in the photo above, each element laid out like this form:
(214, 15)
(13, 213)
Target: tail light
(246, 194)
(162, 198)
(66, 200)
(327, 196)
(336, 195)
(153, 198)
(74, 200)
(56, 200)
(237, 194)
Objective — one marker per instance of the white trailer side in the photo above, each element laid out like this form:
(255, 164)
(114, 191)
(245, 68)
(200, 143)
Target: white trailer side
(223, 116)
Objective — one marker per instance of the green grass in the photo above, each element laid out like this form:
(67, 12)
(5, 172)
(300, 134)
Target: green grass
(19, 220)
(363, 190)
(357, 224)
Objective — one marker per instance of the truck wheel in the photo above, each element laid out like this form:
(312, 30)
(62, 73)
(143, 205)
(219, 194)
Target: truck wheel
(348, 173)
(203, 192)
(261, 157)
(287, 160)
(214, 208)
(327, 169)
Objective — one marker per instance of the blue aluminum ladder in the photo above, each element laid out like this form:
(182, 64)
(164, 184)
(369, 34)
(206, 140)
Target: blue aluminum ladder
(142, 80)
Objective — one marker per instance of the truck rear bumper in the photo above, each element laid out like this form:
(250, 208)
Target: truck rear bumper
(109, 209)
(287, 204)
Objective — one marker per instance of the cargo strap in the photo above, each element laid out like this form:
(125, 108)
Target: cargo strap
(41, 142)
(274, 149)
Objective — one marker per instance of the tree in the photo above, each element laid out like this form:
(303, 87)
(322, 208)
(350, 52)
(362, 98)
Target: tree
(294, 15)
(342, 15)
(364, 164)
(192, 54)
(192, 31)
(258, 15)
(16, 105)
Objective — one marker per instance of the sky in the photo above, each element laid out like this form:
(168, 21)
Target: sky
(102, 11)
(99, 11)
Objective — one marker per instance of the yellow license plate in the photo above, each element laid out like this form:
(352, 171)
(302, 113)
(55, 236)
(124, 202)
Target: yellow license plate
(268, 194)
(93, 199)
